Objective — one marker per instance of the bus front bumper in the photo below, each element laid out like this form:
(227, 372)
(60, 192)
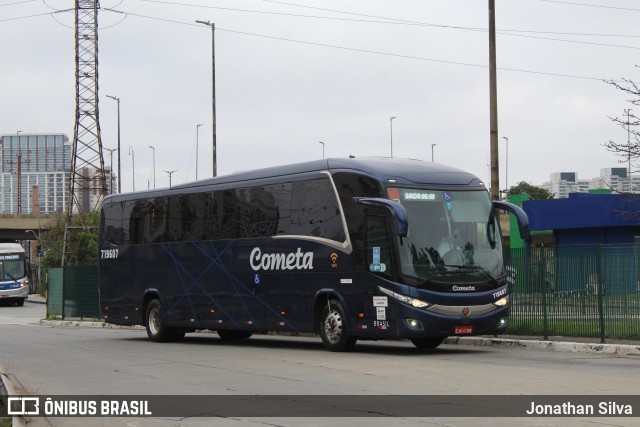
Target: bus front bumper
(7, 293)
(416, 324)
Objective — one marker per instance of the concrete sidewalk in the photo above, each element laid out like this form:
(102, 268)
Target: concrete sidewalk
(557, 344)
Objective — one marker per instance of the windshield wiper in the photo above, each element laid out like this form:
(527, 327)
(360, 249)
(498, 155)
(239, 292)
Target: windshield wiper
(10, 276)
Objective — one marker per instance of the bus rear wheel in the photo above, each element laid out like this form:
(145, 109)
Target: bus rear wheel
(427, 343)
(157, 330)
(333, 328)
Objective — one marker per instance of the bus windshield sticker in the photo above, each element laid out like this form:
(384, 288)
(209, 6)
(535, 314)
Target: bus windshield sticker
(381, 313)
(376, 254)
(448, 198)
(377, 268)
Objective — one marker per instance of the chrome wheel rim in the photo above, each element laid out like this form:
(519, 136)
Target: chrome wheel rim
(333, 326)
(154, 320)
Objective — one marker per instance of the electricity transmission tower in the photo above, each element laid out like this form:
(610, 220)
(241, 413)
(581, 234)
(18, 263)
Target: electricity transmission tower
(87, 186)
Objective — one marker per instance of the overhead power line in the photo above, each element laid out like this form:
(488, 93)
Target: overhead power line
(18, 2)
(591, 5)
(351, 49)
(388, 20)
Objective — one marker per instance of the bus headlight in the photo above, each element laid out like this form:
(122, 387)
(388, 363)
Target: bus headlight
(502, 301)
(414, 302)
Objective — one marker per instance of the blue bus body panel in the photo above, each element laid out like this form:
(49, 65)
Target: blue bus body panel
(280, 286)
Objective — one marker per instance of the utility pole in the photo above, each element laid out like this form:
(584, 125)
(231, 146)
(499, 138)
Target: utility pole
(117, 99)
(170, 173)
(111, 150)
(628, 111)
(493, 104)
(133, 165)
(197, 138)
(154, 165)
(391, 126)
(213, 91)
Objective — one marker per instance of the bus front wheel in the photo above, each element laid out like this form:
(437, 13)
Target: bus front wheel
(156, 329)
(333, 328)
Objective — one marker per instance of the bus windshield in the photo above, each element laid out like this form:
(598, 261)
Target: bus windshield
(453, 236)
(12, 267)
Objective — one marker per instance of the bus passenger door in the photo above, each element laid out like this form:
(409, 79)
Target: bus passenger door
(379, 261)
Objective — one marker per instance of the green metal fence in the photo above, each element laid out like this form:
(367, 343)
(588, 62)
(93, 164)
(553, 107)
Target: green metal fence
(581, 291)
(72, 292)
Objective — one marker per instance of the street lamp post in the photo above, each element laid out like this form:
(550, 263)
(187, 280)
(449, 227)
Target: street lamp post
(170, 173)
(391, 125)
(320, 142)
(197, 138)
(119, 170)
(628, 111)
(506, 175)
(37, 236)
(154, 165)
(111, 150)
(432, 145)
(133, 164)
(213, 90)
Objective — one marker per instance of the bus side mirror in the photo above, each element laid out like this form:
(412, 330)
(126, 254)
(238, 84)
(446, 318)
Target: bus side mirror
(398, 212)
(521, 217)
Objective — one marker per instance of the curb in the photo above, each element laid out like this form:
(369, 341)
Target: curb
(85, 324)
(564, 347)
(6, 389)
(520, 344)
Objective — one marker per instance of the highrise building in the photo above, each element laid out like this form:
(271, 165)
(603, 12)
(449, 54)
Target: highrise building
(563, 183)
(35, 174)
(34, 164)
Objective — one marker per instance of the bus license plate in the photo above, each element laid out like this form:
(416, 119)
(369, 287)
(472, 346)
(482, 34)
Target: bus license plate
(463, 330)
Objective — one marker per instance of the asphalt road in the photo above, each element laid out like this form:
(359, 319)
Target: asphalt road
(88, 361)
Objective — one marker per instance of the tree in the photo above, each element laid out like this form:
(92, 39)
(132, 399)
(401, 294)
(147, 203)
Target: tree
(536, 193)
(83, 248)
(629, 150)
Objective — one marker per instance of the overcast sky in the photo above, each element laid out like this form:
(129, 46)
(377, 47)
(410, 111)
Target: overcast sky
(290, 74)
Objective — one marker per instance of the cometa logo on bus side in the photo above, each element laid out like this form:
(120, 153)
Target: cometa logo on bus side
(281, 261)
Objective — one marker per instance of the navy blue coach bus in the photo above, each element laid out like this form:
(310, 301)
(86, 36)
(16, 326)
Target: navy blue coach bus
(371, 248)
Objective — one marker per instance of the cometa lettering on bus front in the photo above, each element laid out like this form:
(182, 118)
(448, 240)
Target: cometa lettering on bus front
(281, 261)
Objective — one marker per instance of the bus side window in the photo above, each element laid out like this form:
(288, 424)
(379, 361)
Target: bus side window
(315, 210)
(377, 245)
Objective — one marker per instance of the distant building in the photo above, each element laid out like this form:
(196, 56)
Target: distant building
(35, 173)
(564, 183)
(614, 180)
(34, 164)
